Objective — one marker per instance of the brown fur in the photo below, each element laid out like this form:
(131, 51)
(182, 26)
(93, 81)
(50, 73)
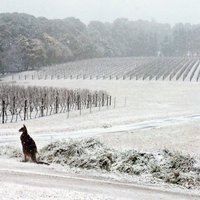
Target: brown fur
(28, 145)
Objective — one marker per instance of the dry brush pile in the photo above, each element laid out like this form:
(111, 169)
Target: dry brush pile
(170, 167)
(20, 103)
(90, 154)
(163, 166)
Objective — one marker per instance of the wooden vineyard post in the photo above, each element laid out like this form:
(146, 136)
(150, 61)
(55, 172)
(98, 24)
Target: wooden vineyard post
(68, 104)
(110, 103)
(42, 108)
(56, 104)
(107, 101)
(25, 109)
(13, 105)
(96, 98)
(90, 102)
(79, 103)
(103, 100)
(3, 111)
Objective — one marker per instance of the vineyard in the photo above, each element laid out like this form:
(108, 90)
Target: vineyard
(19, 103)
(149, 68)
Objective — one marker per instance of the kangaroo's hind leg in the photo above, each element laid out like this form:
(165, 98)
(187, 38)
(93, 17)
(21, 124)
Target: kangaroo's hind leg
(25, 158)
(33, 157)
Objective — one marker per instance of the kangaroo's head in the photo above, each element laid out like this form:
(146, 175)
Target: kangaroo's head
(23, 129)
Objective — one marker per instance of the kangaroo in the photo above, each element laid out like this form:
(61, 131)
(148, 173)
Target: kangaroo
(29, 147)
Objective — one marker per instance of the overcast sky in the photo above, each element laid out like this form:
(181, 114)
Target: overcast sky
(165, 11)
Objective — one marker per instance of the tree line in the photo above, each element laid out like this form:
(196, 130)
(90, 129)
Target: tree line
(27, 42)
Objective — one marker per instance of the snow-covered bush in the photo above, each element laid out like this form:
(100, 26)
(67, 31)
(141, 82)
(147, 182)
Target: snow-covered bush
(166, 166)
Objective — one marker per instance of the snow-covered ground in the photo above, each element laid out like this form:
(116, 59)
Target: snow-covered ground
(29, 181)
(148, 116)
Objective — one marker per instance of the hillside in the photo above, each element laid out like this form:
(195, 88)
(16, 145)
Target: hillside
(27, 42)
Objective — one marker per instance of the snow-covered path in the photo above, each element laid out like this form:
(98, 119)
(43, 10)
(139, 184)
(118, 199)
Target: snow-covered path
(149, 124)
(18, 176)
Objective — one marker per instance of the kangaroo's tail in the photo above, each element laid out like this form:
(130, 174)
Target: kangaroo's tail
(42, 163)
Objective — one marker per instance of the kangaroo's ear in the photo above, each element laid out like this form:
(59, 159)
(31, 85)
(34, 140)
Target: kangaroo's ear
(24, 125)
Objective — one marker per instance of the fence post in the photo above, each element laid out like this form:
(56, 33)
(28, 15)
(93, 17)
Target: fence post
(103, 100)
(107, 101)
(79, 102)
(42, 108)
(110, 103)
(13, 105)
(25, 109)
(68, 103)
(96, 98)
(56, 104)
(90, 102)
(3, 111)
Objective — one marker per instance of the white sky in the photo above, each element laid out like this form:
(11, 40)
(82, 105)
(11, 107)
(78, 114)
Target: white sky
(165, 11)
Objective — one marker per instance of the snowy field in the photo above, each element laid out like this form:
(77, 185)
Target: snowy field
(149, 116)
